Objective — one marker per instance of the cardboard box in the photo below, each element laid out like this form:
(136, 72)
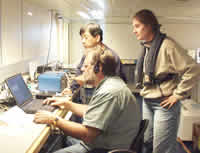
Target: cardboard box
(190, 113)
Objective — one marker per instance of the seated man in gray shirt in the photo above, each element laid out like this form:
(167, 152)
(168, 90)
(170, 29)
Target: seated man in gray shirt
(112, 117)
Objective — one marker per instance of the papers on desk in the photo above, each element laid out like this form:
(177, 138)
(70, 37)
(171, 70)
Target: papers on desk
(15, 118)
(19, 131)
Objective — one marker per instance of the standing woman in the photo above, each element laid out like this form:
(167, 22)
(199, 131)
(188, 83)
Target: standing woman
(165, 74)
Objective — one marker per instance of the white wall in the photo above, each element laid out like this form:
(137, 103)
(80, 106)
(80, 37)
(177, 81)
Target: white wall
(24, 38)
(35, 31)
(76, 49)
(186, 34)
(120, 38)
(11, 37)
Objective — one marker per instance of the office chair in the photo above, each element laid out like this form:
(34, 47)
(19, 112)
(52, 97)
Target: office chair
(137, 143)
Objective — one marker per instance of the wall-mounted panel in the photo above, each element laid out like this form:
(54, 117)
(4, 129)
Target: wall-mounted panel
(11, 31)
(35, 31)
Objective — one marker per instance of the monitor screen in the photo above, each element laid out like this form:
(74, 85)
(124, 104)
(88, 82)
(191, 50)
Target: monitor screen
(19, 89)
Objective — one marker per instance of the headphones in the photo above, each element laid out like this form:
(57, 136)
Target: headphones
(96, 67)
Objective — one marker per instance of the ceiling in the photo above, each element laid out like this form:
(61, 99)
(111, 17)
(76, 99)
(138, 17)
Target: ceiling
(123, 10)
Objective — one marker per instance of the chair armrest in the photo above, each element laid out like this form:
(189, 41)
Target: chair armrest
(121, 151)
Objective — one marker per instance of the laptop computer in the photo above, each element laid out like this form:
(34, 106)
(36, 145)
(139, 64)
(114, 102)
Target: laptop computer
(23, 96)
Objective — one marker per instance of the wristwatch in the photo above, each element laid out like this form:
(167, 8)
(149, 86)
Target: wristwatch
(55, 121)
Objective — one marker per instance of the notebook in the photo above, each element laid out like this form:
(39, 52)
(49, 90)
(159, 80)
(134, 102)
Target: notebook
(23, 96)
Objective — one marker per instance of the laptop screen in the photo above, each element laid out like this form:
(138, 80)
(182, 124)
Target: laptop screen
(19, 89)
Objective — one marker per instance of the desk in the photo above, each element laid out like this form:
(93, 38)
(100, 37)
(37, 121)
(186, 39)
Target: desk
(41, 139)
(29, 139)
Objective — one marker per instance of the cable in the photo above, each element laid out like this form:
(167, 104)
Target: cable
(49, 49)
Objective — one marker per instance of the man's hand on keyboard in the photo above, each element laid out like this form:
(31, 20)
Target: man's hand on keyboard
(62, 102)
(44, 117)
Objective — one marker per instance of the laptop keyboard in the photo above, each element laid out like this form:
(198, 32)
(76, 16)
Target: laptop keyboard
(48, 108)
(37, 104)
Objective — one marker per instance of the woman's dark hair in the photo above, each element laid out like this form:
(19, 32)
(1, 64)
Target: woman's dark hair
(94, 30)
(147, 17)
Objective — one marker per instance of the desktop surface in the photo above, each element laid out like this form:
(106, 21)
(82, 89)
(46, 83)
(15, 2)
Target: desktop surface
(18, 130)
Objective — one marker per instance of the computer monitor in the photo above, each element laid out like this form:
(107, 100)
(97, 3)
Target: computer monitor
(19, 89)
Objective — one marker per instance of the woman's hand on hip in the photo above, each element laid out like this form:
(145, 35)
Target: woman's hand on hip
(169, 102)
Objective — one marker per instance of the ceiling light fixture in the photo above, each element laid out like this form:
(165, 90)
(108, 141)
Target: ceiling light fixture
(84, 15)
(30, 13)
(97, 14)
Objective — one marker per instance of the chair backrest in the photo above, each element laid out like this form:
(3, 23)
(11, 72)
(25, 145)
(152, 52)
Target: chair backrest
(138, 141)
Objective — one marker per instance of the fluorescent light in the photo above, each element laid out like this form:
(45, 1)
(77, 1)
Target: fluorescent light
(100, 3)
(97, 14)
(84, 15)
(30, 13)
